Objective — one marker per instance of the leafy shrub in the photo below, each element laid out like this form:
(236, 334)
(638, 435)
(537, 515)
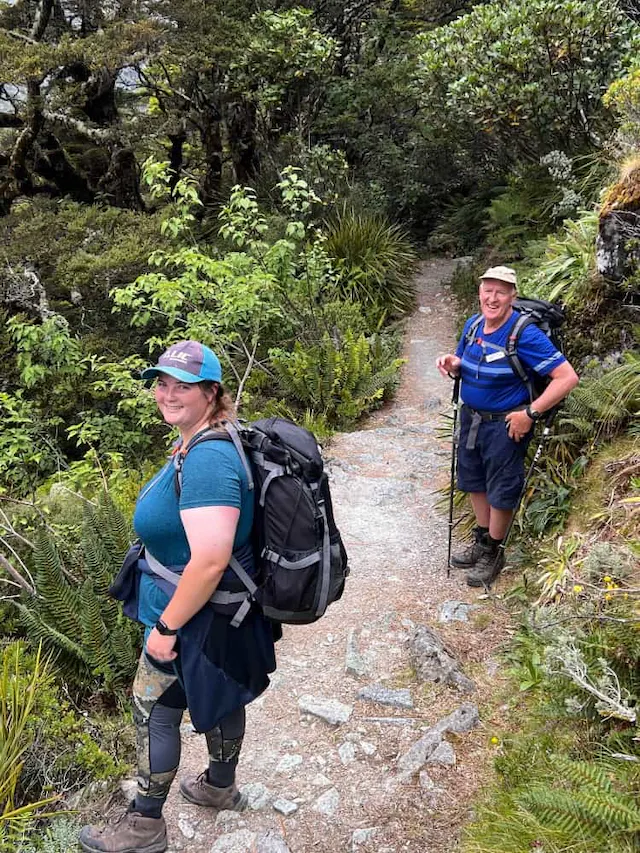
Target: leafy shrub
(68, 750)
(511, 81)
(60, 837)
(565, 271)
(464, 221)
(375, 261)
(340, 379)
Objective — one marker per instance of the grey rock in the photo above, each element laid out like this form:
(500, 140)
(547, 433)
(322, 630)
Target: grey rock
(385, 696)
(432, 404)
(432, 662)
(228, 820)
(92, 791)
(288, 763)
(463, 719)
(285, 807)
(321, 781)
(426, 782)
(129, 788)
(327, 804)
(444, 754)
(329, 710)
(456, 611)
(186, 828)
(347, 753)
(241, 841)
(430, 791)
(392, 721)
(271, 842)
(354, 662)
(363, 836)
(367, 747)
(415, 758)
(258, 796)
(492, 667)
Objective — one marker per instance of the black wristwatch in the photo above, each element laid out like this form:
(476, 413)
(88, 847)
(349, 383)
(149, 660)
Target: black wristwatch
(163, 628)
(531, 413)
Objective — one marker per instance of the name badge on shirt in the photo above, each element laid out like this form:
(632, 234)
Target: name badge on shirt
(494, 356)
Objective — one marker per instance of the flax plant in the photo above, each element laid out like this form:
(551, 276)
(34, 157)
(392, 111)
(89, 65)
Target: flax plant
(17, 699)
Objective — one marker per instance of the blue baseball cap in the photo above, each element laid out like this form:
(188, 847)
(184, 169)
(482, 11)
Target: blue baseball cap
(188, 361)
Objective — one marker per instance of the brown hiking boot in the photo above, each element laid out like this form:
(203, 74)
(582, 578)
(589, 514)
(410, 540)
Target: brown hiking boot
(470, 556)
(199, 791)
(487, 568)
(132, 833)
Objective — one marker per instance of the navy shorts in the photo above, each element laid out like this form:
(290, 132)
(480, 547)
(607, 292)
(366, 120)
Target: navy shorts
(495, 466)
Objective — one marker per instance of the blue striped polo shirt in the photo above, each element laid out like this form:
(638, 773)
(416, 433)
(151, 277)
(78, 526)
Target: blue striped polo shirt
(488, 381)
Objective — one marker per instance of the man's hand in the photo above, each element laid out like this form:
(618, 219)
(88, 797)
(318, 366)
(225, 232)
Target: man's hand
(160, 647)
(518, 424)
(448, 365)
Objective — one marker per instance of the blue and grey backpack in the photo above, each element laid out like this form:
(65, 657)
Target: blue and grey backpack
(301, 561)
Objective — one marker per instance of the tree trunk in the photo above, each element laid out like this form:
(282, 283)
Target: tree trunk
(212, 143)
(241, 132)
(121, 184)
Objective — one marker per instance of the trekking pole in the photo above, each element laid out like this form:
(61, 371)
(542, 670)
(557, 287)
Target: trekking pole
(545, 434)
(454, 400)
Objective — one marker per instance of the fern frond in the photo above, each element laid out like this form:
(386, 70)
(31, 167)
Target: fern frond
(57, 600)
(581, 773)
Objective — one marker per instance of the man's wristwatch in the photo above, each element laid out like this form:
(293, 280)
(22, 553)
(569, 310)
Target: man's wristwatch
(163, 628)
(531, 413)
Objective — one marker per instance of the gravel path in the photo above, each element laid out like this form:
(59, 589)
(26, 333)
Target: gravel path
(318, 787)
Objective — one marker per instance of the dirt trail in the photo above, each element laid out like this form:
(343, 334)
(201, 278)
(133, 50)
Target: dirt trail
(342, 779)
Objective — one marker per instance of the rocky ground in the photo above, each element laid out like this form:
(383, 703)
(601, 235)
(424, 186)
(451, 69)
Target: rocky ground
(373, 736)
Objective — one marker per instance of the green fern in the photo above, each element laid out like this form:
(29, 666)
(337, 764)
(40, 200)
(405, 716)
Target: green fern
(338, 377)
(602, 405)
(78, 621)
(57, 598)
(583, 773)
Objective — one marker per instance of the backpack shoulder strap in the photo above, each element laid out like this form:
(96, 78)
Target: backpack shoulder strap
(511, 350)
(234, 435)
(473, 328)
(205, 435)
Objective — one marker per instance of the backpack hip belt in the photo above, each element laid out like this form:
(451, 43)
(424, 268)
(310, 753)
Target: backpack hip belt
(220, 597)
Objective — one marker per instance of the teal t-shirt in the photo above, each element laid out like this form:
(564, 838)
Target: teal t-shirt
(212, 475)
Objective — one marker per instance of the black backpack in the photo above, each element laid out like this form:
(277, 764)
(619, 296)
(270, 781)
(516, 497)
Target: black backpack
(547, 316)
(301, 561)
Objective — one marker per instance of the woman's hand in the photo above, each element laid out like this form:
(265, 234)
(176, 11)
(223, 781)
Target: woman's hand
(161, 647)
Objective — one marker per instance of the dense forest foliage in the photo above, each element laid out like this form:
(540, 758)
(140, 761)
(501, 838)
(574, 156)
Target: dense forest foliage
(263, 176)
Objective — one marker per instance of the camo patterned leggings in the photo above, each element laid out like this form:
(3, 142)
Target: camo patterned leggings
(158, 704)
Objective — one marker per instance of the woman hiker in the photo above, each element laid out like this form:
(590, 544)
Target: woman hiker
(194, 657)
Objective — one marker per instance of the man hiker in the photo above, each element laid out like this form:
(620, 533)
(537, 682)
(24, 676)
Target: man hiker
(497, 416)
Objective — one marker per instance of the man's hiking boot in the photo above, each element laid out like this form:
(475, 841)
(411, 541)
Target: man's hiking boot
(470, 556)
(198, 790)
(132, 833)
(487, 568)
